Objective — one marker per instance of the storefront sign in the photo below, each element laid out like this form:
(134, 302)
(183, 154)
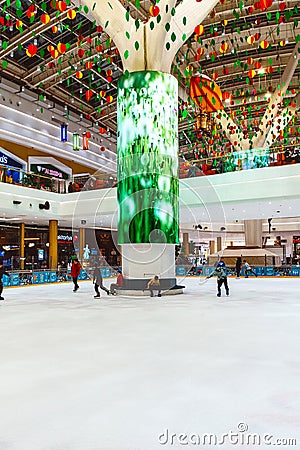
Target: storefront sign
(7, 161)
(49, 171)
(64, 239)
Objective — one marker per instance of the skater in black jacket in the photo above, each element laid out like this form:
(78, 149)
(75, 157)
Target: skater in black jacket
(2, 272)
(238, 266)
(221, 273)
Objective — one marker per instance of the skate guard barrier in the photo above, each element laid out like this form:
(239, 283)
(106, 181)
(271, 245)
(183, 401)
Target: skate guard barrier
(25, 277)
(261, 271)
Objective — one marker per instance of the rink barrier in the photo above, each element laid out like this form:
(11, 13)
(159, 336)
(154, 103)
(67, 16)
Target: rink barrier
(261, 271)
(47, 276)
(51, 276)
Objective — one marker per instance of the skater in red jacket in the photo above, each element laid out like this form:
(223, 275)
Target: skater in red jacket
(75, 271)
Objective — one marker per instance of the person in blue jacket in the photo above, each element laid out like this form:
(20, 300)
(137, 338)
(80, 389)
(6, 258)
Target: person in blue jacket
(2, 272)
(221, 274)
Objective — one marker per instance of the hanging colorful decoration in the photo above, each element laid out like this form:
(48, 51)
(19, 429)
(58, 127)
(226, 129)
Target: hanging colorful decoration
(76, 142)
(264, 44)
(206, 93)
(61, 47)
(71, 14)
(64, 132)
(224, 47)
(263, 4)
(45, 18)
(199, 30)
(154, 10)
(85, 141)
(31, 50)
(88, 95)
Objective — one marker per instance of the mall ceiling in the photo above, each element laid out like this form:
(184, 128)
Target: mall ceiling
(55, 54)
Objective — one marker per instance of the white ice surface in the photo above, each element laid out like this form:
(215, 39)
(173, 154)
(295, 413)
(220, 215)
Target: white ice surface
(114, 373)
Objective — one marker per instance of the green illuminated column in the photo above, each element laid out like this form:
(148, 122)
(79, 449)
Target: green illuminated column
(148, 173)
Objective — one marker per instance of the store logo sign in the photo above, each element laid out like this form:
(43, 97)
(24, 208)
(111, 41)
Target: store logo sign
(3, 159)
(64, 237)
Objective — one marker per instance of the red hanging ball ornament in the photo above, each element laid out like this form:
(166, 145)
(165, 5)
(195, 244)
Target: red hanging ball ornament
(154, 10)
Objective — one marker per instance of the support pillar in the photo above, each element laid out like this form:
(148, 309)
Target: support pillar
(22, 246)
(81, 243)
(219, 243)
(211, 247)
(53, 246)
(185, 244)
(253, 233)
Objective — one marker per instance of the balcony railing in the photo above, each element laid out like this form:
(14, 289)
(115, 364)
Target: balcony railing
(217, 164)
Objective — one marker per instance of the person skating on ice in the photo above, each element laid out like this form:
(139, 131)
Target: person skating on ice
(98, 282)
(238, 266)
(75, 271)
(2, 272)
(221, 274)
(248, 269)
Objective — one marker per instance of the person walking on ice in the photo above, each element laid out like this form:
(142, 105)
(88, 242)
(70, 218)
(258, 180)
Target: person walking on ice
(248, 269)
(98, 282)
(221, 274)
(2, 272)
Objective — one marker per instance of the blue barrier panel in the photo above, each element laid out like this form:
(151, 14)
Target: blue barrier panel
(36, 277)
(42, 277)
(259, 270)
(46, 277)
(52, 277)
(82, 275)
(8, 281)
(207, 270)
(106, 272)
(295, 271)
(180, 271)
(199, 271)
(269, 271)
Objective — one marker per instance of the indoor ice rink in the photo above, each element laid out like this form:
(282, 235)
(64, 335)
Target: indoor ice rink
(145, 373)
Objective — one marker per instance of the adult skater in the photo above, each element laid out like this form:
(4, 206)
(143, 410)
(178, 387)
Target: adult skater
(75, 271)
(98, 282)
(154, 285)
(2, 272)
(238, 266)
(248, 269)
(119, 284)
(220, 272)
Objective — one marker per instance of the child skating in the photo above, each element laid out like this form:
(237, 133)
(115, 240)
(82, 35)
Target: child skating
(248, 269)
(221, 273)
